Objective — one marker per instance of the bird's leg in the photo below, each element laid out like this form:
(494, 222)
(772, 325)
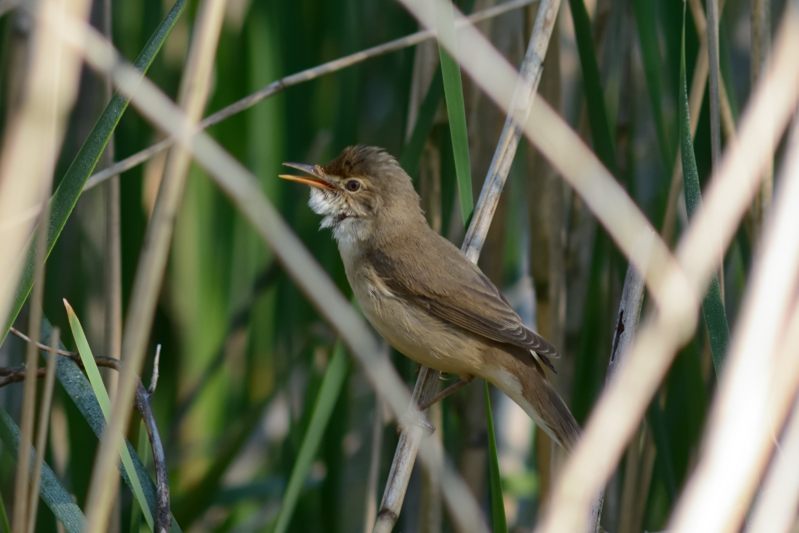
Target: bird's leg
(446, 391)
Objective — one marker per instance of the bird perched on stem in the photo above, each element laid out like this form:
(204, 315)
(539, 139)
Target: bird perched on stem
(421, 294)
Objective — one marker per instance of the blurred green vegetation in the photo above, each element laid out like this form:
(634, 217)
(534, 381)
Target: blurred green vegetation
(243, 353)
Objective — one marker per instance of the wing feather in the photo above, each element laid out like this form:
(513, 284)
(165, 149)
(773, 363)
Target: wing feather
(453, 296)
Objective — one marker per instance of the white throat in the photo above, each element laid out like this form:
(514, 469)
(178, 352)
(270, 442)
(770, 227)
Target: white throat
(347, 230)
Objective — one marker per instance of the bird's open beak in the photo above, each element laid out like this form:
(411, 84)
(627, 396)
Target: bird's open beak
(315, 178)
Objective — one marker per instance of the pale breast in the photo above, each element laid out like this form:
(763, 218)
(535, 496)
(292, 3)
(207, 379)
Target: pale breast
(412, 331)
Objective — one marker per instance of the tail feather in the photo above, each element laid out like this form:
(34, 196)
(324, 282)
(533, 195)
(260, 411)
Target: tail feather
(528, 387)
(549, 410)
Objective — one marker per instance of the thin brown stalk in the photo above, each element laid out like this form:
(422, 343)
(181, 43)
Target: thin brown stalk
(733, 185)
(729, 468)
(761, 39)
(112, 279)
(21, 487)
(194, 91)
(163, 515)
(41, 434)
(712, 40)
(712, 7)
(427, 383)
(296, 79)
(16, 374)
(112, 343)
(245, 191)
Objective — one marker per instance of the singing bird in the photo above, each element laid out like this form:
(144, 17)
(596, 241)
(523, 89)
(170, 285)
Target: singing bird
(420, 292)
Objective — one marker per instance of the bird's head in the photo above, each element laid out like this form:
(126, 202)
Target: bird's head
(360, 191)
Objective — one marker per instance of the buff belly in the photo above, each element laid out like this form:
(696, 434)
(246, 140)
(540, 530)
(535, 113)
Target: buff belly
(418, 335)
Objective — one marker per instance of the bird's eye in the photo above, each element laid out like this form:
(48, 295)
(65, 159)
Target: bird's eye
(352, 185)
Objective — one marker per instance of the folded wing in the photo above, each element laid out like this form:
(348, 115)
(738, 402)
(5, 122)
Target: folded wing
(460, 295)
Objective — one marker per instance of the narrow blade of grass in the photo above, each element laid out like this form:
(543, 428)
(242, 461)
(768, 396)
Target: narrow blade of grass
(713, 311)
(594, 94)
(53, 494)
(4, 523)
(498, 521)
(329, 392)
(646, 20)
(71, 186)
(412, 151)
(456, 113)
(98, 387)
(143, 449)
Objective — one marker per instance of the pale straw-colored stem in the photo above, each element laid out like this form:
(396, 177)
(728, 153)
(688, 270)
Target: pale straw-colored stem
(712, 41)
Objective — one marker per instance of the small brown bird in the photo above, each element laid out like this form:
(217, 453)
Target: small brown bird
(420, 293)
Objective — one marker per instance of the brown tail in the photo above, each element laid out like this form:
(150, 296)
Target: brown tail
(528, 387)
